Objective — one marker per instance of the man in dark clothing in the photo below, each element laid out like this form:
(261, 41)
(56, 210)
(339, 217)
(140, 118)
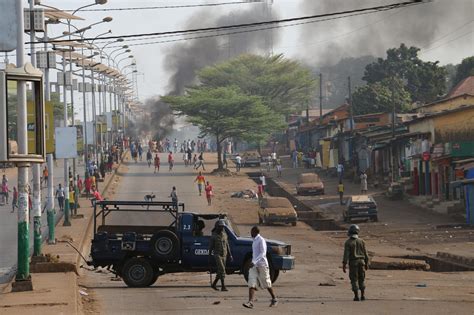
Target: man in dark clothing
(219, 248)
(356, 255)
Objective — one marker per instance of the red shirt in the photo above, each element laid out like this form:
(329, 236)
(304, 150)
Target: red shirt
(170, 158)
(97, 196)
(208, 190)
(157, 161)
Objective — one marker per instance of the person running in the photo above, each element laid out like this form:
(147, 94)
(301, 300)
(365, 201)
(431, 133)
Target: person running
(157, 163)
(149, 157)
(60, 194)
(195, 160)
(200, 162)
(170, 160)
(200, 182)
(209, 193)
(15, 199)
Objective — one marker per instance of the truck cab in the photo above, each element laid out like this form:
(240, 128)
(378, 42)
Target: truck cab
(141, 253)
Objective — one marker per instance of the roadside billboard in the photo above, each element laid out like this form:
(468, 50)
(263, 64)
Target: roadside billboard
(66, 142)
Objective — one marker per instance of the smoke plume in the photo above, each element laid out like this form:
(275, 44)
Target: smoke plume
(373, 34)
(160, 121)
(184, 59)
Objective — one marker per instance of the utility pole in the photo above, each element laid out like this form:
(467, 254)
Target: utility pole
(23, 278)
(67, 222)
(351, 117)
(36, 166)
(51, 213)
(320, 97)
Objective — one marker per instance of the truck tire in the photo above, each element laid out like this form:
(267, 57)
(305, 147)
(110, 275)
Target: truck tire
(273, 273)
(137, 272)
(164, 245)
(154, 278)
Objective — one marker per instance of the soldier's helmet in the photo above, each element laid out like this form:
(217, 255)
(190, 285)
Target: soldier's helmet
(220, 222)
(353, 229)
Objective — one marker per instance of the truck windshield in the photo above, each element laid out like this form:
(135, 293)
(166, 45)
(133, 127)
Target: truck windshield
(204, 224)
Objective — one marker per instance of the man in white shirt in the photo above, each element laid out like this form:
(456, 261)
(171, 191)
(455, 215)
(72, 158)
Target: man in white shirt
(263, 181)
(238, 162)
(340, 171)
(259, 273)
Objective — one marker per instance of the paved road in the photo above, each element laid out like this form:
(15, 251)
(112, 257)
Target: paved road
(317, 285)
(8, 221)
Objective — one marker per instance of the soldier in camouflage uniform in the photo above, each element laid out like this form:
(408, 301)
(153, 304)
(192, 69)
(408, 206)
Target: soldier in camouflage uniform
(219, 247)
(356, 255)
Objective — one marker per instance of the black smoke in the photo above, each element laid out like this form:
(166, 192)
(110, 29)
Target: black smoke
(373, 34)
(184, 59)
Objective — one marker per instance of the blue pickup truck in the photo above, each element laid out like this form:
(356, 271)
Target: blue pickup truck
(139, 254)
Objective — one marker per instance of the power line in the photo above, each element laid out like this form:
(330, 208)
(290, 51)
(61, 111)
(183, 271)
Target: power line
(165, 7)
(452, 40)
(446, 35)
(231, 33)
(255, 24)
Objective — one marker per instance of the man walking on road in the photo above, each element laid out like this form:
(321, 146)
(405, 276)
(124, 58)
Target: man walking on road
(170, 160)
(60, 194)
(157, 163)
(209, 193)
(219, 248)
(259, 273)
(340, 190)
(200, 182)
(356, 255)
(340, 170)
(200, 162)
(174, 198)
(238, 162)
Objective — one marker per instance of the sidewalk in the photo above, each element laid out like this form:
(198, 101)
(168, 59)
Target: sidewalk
(8, 220)
(58, 292)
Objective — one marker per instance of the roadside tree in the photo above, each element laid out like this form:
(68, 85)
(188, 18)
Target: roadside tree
(380, 97)
(283, 85)
(226, 112)
(425, 81)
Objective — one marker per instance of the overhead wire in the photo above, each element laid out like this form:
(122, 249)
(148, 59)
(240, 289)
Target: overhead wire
(178, 6)
(255, 24)
(232, 33)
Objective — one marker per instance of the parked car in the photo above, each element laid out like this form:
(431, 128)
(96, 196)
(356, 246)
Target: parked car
(360, 207)
(309, 183)
(140, 252)
(251, 158)
(276, 210)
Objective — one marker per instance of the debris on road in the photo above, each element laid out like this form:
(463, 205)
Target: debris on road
(246, 194)
(389, 263)
(81, 292)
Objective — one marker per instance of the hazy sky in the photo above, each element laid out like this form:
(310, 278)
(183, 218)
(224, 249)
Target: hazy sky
(444, 28)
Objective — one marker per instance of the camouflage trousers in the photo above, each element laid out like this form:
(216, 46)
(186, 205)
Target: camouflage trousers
(220, 263)
(357, 274)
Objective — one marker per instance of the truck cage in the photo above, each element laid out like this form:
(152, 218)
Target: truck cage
(103, 208)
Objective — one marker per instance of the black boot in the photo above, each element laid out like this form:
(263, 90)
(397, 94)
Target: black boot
(223, 288)
(362, 295)
(214, 284)
(356, 295)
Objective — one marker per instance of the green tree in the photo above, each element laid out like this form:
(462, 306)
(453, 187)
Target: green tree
(464, 70)
(226, 112)
(282, 84)
(380, 97)
(425, 81)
